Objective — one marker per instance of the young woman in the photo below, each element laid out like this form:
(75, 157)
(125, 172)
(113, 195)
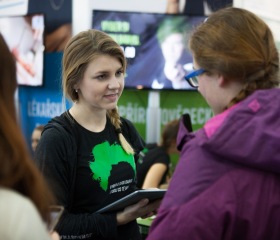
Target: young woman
(226, 184)
(88, 153)
(24, 196)
(153, 166)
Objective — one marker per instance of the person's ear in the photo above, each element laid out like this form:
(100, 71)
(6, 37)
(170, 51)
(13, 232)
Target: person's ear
(76, 86)
(221, 80)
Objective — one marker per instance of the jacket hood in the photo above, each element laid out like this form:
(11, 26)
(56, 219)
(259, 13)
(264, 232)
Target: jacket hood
(248, 133)
(62, 122)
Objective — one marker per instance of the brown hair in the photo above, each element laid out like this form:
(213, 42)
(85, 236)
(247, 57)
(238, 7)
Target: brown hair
(39, 128)
(18, 171)
(78, 53)
(169, 133)
(239, 45)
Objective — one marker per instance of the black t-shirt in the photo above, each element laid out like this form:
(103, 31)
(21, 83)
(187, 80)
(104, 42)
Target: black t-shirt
(105, 172)
(148, 157)
(87, 170)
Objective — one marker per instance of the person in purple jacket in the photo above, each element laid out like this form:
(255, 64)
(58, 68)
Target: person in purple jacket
(226, 185)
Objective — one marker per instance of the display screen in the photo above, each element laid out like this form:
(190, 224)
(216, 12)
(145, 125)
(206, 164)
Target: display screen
(24, 36)
(155, 46)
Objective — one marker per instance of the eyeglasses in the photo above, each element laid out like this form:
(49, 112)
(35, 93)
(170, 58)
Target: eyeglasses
(192, 77)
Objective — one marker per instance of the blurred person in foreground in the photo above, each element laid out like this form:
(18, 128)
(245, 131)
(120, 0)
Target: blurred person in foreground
(24, 196)
(226, 184)
(88, 153)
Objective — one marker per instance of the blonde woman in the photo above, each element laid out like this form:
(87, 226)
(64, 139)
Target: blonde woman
(88, 153)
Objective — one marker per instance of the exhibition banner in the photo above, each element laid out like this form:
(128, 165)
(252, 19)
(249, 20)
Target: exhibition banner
(37, 105)
(174, 104)
(133, 106)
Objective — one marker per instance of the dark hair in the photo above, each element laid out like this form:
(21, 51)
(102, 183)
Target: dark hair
(239, 45)
(172, 24)
(169, 133)
(18, 171)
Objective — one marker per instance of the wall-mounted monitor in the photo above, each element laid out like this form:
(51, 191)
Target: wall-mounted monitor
(25, 37)
(154, 44)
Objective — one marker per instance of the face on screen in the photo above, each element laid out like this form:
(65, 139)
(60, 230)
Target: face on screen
(173, 48)
(154, 47)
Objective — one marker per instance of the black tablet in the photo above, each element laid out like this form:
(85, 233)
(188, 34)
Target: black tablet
(132, 198)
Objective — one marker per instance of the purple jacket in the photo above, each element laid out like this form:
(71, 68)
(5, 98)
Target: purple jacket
(226, 185)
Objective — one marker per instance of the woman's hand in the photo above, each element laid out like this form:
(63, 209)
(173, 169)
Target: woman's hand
(54, 236)
(142, 209)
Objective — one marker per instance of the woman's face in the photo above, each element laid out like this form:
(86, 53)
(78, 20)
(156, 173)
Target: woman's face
(173, 48)
(102, 83)
(36, 135)
(209, 87)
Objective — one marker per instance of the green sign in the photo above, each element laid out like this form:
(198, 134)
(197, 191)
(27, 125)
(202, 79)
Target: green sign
(133, 105)
(175, 103)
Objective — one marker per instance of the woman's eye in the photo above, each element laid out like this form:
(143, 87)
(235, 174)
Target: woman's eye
(101, 77)
(119, 73)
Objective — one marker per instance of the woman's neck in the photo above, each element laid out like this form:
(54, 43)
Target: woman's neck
(94, 121)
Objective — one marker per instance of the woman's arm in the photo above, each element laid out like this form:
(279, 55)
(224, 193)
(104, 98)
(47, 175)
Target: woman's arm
(172, 6)
(154, 176)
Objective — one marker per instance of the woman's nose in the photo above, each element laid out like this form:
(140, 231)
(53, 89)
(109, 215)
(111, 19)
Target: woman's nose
(114, 83)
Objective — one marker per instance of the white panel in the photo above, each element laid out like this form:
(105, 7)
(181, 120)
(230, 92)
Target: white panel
(82, 10)
(130, 5)
(268, 10)
(13, 7)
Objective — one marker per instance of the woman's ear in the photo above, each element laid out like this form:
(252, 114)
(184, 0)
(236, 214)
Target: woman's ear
(76, 86)
(221, 80)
